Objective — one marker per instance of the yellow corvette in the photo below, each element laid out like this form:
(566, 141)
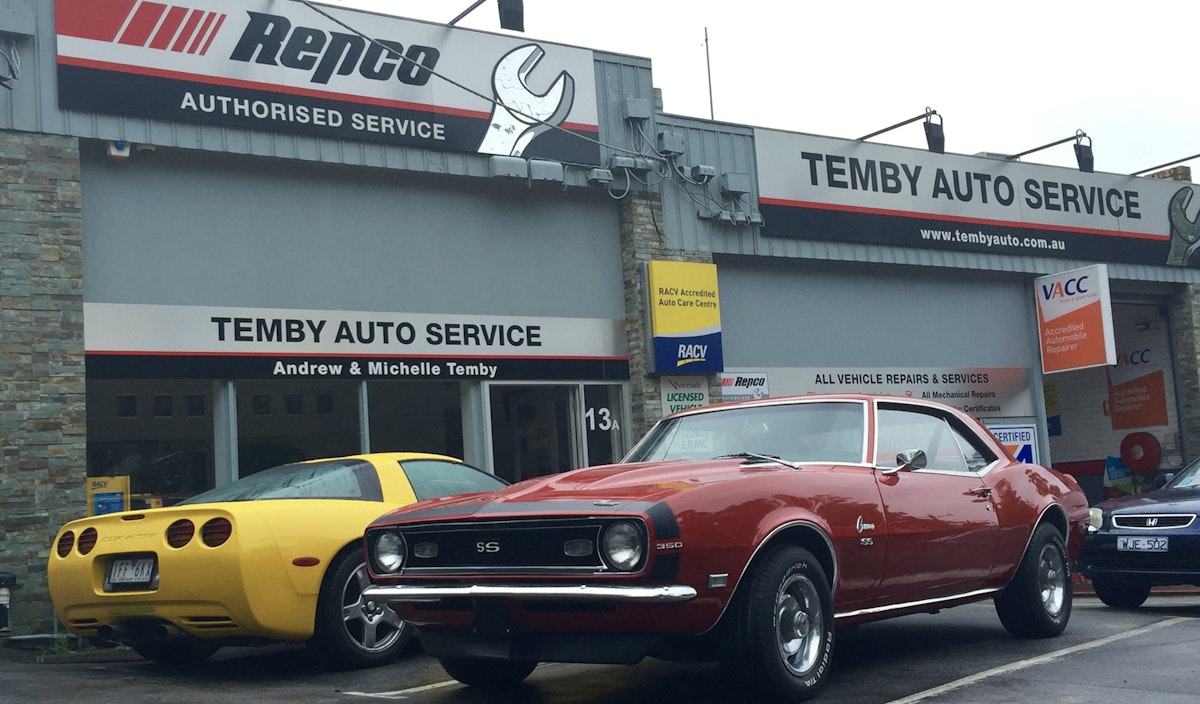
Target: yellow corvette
(274, 556)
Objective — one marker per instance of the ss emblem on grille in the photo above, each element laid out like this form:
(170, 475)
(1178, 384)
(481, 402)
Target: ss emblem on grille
(490, 546)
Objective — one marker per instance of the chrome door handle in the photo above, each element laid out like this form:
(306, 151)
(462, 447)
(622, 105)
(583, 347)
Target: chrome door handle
(981, 491)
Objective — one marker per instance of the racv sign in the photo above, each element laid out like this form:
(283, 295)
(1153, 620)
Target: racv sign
(293, 67)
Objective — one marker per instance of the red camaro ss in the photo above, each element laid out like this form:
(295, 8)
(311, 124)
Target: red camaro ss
(743, 532)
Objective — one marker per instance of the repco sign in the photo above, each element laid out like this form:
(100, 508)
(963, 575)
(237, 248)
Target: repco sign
(281, 66)
(272, 40)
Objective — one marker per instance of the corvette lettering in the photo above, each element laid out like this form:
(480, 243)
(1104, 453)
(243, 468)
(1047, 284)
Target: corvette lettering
(271, 40)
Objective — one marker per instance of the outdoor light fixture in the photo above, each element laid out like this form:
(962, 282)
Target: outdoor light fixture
(935, 137)
(1083, 152)
(512, 14)
(1163, 166)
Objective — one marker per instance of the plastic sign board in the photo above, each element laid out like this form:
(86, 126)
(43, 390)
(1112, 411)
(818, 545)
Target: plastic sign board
(680, 393)
(107, 495)
(685, 317)
(1075, 325)
(845, 190)
(288, 67)
(1020, 440)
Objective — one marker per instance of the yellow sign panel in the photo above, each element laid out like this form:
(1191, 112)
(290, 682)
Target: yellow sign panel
(685, 317)
(107, 495)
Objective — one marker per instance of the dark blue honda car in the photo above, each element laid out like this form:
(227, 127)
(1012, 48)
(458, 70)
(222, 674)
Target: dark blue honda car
(1145, 540)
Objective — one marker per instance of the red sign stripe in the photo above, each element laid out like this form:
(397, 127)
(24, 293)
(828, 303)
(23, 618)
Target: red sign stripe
(91, 19)
(166, 30)
(213, 35)
(142, 24)
(189, 30)
(202, 32)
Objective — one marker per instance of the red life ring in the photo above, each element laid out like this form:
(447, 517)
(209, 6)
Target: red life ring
(1141, 452)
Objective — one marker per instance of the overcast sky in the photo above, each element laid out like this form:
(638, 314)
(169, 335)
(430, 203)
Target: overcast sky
(1005, 76)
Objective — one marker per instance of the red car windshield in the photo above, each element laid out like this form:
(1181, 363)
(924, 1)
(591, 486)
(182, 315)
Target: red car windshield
(797, 432)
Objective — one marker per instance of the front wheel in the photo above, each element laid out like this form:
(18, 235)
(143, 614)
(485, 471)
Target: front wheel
(780, 629)
(1121, 593)
(1037, 602)
(488, 673)
(352, 631)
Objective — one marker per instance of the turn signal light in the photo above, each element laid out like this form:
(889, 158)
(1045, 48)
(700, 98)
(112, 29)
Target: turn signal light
(180, 533)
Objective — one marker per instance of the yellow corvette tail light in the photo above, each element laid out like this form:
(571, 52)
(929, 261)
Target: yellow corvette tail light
(180, 533)
(66, 541)
(87, 540)
(215, 532)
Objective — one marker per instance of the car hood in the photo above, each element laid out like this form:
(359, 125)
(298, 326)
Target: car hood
(1184, 500)
(618, 487)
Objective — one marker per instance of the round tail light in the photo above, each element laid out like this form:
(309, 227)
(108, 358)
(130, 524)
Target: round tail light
(87, 540)
(66, 541)
(180, 533)
(215, 532)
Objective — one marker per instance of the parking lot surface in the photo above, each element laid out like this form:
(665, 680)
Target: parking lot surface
(958, 655)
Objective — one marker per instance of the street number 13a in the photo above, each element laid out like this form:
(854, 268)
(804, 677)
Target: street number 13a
(600, 419)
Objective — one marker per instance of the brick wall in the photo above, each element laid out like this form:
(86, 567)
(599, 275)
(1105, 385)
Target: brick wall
(42, 419)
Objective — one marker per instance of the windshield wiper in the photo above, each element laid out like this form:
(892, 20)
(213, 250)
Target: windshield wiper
(757, 456)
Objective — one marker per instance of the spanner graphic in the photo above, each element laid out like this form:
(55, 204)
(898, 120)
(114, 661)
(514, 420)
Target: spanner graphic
(521, 114)
(1185, 233)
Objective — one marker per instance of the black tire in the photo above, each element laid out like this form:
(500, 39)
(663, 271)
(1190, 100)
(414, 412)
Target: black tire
(488, 673)
(779, 629)
(1121, 593)
(1037, 602)
(350, 631)
(180, 651)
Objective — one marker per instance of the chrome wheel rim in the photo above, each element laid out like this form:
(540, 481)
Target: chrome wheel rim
(799, 624)
(371, 625)
(1052, 579)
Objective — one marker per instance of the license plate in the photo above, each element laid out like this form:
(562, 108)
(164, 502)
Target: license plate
(1140, 544)
(126, 571)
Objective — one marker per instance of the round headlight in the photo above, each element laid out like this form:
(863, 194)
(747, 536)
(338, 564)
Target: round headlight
(1095, 520)
(623, 545)
(389, 551)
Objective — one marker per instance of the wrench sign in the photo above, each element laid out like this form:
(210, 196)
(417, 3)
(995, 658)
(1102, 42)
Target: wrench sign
(1185, 231)
(520, 113)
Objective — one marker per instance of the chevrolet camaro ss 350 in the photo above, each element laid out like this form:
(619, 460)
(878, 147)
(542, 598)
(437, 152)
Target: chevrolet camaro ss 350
(274, 556)
(745, 533)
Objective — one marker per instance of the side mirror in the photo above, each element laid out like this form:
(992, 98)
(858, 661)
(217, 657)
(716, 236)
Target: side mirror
(908, 459)
(1163, 479)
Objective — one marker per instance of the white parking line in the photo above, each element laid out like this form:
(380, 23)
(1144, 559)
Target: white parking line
(402, 693)
(1012, 667)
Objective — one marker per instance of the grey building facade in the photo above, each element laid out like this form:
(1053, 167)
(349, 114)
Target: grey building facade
(199, 278)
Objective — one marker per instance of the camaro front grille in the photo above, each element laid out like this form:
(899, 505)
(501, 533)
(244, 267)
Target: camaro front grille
(505, 546)
(1147, 521)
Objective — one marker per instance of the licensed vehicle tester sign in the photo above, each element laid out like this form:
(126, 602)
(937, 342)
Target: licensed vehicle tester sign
(282, 66)
(852, 191)
(199, 342)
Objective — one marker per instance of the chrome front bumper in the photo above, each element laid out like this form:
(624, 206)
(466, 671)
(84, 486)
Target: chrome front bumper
(580, 592)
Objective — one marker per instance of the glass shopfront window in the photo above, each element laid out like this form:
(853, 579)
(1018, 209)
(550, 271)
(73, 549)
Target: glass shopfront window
(297, 419)
(158, 433)
(416, 416)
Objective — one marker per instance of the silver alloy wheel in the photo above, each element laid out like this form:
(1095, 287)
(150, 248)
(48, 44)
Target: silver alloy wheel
(371, 625)
(799, 625)
(1052, 579)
